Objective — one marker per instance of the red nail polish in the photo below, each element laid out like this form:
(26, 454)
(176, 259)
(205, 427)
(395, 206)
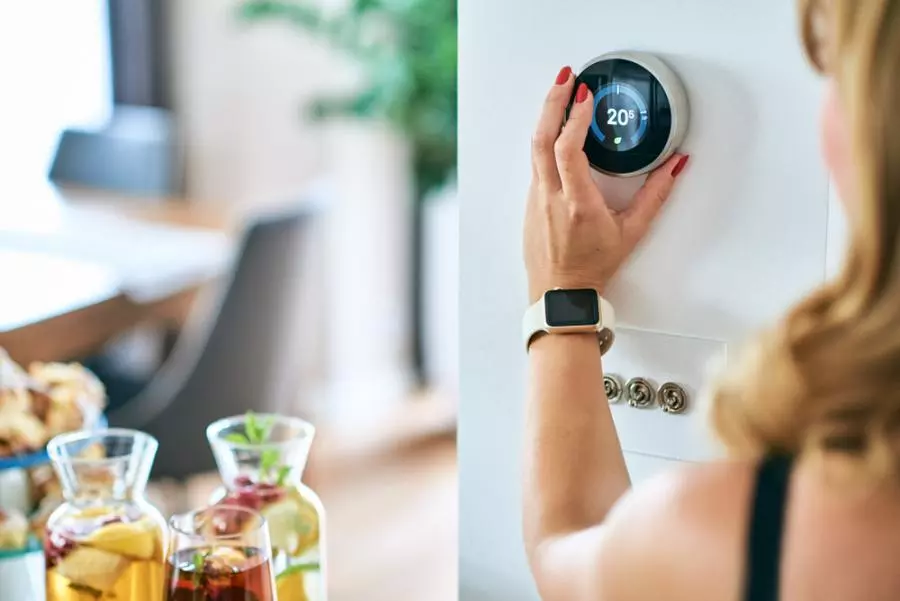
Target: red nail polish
(563, 76)
(582, 93)
(680, 165)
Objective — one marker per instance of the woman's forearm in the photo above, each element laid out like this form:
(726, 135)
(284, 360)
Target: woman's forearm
(574, 470)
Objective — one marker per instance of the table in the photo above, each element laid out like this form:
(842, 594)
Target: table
(78, 268)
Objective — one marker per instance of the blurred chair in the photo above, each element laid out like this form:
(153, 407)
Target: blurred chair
(239, 356)
(135, 154)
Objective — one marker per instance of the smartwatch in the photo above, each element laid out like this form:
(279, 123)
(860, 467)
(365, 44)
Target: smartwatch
(570, 311)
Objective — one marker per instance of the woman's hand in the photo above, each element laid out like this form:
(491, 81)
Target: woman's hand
(572, 239)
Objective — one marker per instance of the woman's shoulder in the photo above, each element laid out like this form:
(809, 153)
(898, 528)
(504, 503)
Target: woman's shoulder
(681, 526)
(704, 492)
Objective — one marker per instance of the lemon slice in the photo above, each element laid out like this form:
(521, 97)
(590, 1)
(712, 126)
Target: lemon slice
(94, 512)
(290, 587)
(93, 568)
(282, 517)
(293, 524)
(224, 560)
(135, 539)
(308, 526)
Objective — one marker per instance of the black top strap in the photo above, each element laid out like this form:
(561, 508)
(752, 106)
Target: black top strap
(766, 529)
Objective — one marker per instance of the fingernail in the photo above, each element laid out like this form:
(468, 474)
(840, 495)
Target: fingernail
(680, 165)
(582, 93)
(563, 76)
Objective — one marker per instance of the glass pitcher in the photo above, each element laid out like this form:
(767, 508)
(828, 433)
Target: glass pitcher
(105, 541)
(261, 460)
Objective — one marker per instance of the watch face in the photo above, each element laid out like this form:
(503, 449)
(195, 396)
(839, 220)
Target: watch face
(565, 308)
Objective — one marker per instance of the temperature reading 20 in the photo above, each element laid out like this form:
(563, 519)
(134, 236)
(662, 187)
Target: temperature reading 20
(619, 117)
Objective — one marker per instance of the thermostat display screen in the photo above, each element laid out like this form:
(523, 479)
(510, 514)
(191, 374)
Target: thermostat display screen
(632, 120)
(621, 117)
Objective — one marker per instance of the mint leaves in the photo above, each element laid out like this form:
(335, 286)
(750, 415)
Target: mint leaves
(257, 431)
(298, 567)
(237, 437)
(199, 564)
(268, 460)
(283, 473)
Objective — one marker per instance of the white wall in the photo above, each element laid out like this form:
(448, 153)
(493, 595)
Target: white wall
(240, 89)
(240, 94)
(744, 236)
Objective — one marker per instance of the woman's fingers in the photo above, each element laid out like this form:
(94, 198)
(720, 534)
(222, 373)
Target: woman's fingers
(572, 163)
(653, 194)
(548, 127)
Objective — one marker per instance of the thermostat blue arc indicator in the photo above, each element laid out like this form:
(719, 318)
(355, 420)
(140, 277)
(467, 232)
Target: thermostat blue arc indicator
(641, 113)
(621, 117)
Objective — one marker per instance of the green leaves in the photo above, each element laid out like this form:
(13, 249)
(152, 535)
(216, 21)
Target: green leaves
(281, 477)
(257, 430)
(268, 460)
(298, 567)
(199, 563)
(306, 16)
(237, 437)
(408, 51)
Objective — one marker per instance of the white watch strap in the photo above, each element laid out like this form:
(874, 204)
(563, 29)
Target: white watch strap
(535, 321)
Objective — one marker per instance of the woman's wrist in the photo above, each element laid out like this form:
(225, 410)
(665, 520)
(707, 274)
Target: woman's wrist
(544, 342)
(537, 291)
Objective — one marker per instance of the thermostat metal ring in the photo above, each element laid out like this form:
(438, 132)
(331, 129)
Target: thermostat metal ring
(672, 88)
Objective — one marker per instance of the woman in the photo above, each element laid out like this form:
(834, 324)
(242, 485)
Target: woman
(808, 508)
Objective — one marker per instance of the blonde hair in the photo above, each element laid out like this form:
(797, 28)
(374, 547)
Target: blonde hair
(828, 375)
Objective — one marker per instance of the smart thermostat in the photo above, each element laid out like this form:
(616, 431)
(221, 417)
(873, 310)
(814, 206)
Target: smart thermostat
(641, 113)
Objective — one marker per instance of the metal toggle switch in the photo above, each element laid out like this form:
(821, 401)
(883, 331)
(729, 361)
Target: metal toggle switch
(640, 393)
(613, 387)
(672, 398)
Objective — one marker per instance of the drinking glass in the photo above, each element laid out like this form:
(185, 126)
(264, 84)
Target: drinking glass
(219, 553)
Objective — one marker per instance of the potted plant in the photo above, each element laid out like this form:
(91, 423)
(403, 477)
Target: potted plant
(407, 54)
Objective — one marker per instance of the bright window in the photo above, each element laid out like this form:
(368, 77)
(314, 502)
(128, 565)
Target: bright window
(54, 73)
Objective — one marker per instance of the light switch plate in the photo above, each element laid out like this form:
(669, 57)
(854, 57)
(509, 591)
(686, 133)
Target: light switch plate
(662, 358)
